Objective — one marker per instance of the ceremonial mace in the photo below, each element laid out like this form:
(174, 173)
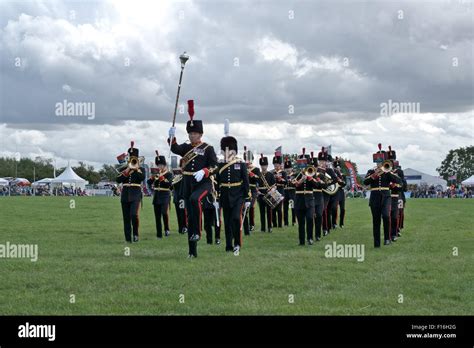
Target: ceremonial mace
(183, 58)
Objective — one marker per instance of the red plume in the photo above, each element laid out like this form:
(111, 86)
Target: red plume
(191, 109)
(157, 154)
(131, 144)
(380, 146)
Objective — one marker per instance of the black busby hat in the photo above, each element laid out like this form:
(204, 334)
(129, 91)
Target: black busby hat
(313, 160)
(391, 154)
(248, 155)
(303, 158)
(193, 125)
(323, 155)
(304, 155)
(159, 159)
(337, 163)
(133, 151)
(380, 155)
(263, 161)
(287, 164)
(277, 159)
(229, 143)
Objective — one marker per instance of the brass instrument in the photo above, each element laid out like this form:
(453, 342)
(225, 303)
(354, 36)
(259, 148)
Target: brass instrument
(385, 168)
(135, 162)
(307, 171)
(332, 188)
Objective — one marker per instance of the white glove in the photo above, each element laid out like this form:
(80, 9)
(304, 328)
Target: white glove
(199, 175)
(172, 132)
(247, 205)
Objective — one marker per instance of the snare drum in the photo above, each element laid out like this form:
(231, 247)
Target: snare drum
(273, 197)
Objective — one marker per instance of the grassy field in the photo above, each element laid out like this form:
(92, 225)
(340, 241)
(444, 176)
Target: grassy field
(81, 252)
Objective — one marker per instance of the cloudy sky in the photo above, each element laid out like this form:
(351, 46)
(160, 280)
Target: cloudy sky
(290, 73)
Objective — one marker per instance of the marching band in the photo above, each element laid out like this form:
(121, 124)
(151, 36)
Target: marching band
(204, 188)
(313, 188)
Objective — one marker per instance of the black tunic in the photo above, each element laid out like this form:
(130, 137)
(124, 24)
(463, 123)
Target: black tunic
(233, 183)
(131, 188)
(161, 185)
(206, 159)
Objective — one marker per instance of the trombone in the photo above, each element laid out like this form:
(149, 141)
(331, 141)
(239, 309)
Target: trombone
(306, 171)
(385, 168)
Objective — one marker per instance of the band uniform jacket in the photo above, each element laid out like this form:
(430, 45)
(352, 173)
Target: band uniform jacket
(269, 177)
(380, 187)
(233, 182)
(161, 185)
(304, 193)
(131, 185)
(280, 180)
(254, 177)
(206, 159)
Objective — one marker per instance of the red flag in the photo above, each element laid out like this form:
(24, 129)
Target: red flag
(352, 175)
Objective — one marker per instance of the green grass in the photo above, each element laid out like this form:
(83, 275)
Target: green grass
(81, 252)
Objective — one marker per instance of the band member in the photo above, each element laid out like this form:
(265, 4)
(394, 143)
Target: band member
(379, 180)
(234, 193)
(289, 194)
(305, 182)
(254, 175)
(212, 214)
(161, 185)
(396, 189)
(280, 178)
(131, 179)
(318, 198)
(339, 197)
(199, 162)
(265, 182)
(323, 159)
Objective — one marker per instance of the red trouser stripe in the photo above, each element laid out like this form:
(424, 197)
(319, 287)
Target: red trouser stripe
(200, 210)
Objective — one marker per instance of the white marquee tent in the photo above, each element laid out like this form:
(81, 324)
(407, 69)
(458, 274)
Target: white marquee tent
(70, 178)
(469, 181)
